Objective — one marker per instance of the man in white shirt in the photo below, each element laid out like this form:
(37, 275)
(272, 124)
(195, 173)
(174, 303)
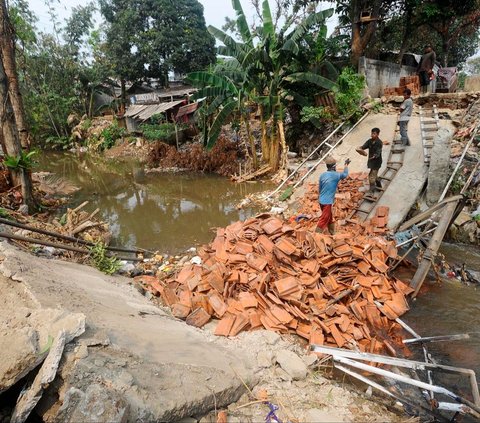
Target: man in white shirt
(405, 113)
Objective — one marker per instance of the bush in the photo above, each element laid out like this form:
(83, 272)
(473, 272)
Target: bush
(349, 92)
(310, 113)
(102, 261)
(155, 132)
(26, 160)
(110, 135)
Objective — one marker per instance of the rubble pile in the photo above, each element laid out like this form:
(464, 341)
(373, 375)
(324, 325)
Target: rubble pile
(221, 159)
(284, 277)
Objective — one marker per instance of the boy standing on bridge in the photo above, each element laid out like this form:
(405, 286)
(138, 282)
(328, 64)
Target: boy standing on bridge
(374, 146)
(327, 187)
(405, 113)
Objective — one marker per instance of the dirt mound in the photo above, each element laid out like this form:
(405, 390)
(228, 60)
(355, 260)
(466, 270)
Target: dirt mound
(221, 159)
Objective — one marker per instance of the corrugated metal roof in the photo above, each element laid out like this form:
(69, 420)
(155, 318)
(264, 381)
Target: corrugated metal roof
(143, 112)
(176, 92)
(186, 110)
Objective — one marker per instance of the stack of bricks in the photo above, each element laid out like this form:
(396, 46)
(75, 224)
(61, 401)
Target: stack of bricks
(411, 82)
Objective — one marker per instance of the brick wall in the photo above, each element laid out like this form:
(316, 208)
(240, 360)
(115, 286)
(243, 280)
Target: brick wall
(380, 75)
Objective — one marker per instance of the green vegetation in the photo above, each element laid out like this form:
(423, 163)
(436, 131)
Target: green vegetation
(150, 38)
(24, 161)
(270, 74)
(160, 132)
(349, 92)
(275, 66)
(110, 135)
(312, 113)
(102, 261)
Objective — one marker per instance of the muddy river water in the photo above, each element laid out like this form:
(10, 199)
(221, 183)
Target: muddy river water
(172, 212)
(168, 212)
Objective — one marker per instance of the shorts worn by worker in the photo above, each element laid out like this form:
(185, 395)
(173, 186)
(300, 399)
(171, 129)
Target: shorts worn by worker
(326, 218)
(374, 180)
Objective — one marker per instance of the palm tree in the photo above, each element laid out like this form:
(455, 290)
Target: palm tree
(266, 73)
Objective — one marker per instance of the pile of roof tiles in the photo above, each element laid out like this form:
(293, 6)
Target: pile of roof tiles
(347, 198)
(284, 277)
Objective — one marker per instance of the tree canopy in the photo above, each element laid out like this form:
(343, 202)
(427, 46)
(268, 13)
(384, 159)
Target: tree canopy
(451, 26)
(150, 38)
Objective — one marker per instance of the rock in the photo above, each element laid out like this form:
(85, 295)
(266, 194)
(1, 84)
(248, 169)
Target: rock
(271, 338)
(292, 364)
(277, 210)
(310, 359)
(126, 267)
(265, 359)
(81, 352)
(29, 397)
(398, 99)
(462, 218)
(96, 404)
(316, 415)
(187, 420)
(292, 155)
(283, 375)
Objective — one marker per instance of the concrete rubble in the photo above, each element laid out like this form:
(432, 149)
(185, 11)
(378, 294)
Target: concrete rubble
(133, 363)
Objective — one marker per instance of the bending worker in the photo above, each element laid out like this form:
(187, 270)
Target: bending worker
(327, 187)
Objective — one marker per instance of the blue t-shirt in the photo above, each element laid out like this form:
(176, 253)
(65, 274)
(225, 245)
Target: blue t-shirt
(327, 185)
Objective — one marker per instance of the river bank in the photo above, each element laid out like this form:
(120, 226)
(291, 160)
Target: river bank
(197, 202)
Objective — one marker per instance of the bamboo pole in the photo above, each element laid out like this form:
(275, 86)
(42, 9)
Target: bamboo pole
(55, 245)
(459, 162)
(306, 160)
(67, 238)
(329, 151)
(431, 251)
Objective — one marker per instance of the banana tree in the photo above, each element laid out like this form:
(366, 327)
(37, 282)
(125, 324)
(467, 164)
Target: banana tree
(264, 68)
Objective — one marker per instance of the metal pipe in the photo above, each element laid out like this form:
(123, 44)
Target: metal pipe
(332, 148)
(459, 162)
(305, 161)
(391, 394)
(404, 379)
(415, 237)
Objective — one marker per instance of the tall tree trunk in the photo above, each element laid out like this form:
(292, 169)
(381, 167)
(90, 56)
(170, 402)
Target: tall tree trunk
(7, 52)
(11, 140)
(123, 99)
(362, 36)
(445, 48)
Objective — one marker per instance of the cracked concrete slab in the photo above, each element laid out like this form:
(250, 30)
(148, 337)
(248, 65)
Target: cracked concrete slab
(154, 367)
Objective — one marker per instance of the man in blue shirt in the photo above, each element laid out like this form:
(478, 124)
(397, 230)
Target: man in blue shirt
(327, 187)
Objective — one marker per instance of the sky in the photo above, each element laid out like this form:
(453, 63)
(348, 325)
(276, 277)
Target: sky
(215, 12)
